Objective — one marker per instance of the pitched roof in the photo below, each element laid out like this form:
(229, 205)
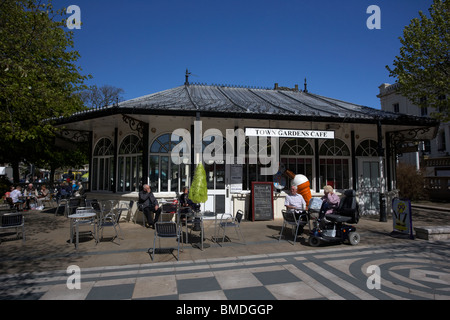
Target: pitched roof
(245, 102)
(231, 100)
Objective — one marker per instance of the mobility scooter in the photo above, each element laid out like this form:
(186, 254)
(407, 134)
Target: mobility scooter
(333, 228)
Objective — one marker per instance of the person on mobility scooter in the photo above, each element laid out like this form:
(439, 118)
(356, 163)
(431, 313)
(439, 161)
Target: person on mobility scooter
(333, 227)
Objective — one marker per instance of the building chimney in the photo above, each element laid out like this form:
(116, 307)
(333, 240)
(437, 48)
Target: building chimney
(276, 86)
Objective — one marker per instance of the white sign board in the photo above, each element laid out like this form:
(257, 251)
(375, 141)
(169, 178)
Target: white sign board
(289, 133)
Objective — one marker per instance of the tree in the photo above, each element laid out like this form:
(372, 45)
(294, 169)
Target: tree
(94, 97)
(38, 77)
(423, 67)
(199, 189)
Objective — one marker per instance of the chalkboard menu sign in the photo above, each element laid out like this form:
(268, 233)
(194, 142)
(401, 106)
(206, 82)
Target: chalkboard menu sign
(262, 201)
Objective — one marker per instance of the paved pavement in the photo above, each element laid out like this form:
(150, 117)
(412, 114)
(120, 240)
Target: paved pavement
(406, 271)
(47, 266)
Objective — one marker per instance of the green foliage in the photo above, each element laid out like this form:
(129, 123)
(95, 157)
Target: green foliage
(38, 77)
(423, 67)
(198, 192)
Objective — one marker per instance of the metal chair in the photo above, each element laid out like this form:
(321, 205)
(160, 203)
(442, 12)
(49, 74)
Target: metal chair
(289, 218)
(185, 217)
(13, 220)
(141, 210)
(72, 205)
(166, 228)
(236, 223)
(77, 223)
(108, 218)
(62, 203)
(123, 206)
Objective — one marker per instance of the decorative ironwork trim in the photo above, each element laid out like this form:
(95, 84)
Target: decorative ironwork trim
(75, 135)
(135, 125)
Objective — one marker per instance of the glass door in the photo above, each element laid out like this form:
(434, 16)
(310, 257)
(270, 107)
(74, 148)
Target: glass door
(369, 185)
(219, 199)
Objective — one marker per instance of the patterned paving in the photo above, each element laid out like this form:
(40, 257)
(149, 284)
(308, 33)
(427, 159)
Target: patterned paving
(419, 270)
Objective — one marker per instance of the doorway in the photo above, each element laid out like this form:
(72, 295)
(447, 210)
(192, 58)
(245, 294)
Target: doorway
(369, 185)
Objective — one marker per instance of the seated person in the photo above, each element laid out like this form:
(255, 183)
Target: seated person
(44, 193)
(294, 202)
(149, 206)
(15, 194)
(30, 193)
(330, 201)
(186, 203)
(8, 197)
(80, 190)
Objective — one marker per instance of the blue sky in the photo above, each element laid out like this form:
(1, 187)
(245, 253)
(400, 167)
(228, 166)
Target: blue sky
(145, 46)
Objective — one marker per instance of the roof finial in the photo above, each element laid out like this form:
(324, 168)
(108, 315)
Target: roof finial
(306, 87)
(186, 83)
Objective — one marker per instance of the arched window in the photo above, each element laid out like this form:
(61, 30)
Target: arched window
(102, 165)
(165, 175)
(130, 164)
(297, 156)
(367, 148)
(334, 164)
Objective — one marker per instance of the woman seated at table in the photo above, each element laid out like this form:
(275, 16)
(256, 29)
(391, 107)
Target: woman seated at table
(186, 206)
(44, 193)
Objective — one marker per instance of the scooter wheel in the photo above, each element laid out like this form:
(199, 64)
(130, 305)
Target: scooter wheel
(354, 238)
(314, 241)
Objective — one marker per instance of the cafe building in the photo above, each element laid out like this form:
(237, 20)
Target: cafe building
(243, 135)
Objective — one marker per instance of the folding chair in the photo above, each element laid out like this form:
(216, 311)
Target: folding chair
(236, 223)
(290, 219)
(166, 228)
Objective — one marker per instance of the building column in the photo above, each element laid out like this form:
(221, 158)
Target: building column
(383, 215)
(354, 162)
(145, 152)
(116, 160)
(317, 164)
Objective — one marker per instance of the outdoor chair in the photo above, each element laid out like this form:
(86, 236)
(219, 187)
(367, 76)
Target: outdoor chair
(141, 210)
(13, 220)
(49, 200)
(13, 206)
(62, 203)
(236, 223)
(77, 223)
(166, 228)
(289, 218)
(185, 217)
(72, 205)
(108, 218)
(123, 206)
